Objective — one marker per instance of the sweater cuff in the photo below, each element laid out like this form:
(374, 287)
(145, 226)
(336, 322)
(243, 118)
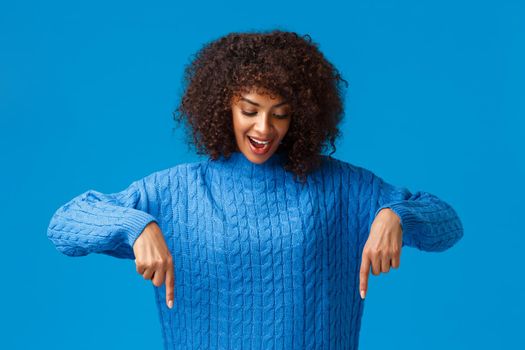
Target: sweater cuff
(135, 224)
(408, 221)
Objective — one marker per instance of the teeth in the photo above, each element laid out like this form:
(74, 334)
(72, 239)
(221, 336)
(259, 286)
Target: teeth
(259, 142)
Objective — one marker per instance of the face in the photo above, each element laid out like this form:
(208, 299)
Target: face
(260, 122)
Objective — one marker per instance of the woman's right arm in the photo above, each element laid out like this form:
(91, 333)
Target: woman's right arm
(118, 224)
(94, 222)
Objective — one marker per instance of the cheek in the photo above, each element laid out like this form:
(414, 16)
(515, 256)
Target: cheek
(240, 133)
(238, 126)
(283, 130)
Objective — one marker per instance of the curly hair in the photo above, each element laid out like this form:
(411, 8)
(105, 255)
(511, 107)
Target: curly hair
(276, 61)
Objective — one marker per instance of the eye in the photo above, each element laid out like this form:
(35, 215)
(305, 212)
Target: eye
(278, 116)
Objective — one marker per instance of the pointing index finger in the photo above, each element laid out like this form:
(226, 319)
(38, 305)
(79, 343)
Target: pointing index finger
(170, 286)
(363, 276)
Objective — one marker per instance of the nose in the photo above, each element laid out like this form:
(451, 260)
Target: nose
(263, 125)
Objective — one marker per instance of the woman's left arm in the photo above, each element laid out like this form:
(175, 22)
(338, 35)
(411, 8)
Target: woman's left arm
(420, 220)
(428, 223)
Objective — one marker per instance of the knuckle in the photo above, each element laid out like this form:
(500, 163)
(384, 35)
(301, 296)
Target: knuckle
(147, 265)
(165, 262)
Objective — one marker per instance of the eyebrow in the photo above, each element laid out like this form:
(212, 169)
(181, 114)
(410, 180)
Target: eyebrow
(256, 104)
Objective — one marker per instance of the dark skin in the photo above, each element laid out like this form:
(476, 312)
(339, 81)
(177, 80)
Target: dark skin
(382, 249)
(154, 261)
(261, 116)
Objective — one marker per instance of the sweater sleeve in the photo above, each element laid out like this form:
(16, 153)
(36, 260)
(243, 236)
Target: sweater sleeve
(428, 222)
(95, 222)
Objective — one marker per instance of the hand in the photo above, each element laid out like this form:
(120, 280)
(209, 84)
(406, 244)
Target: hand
(154, 260)
(382, 248)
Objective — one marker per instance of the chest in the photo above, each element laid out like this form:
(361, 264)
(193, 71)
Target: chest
(222, 222)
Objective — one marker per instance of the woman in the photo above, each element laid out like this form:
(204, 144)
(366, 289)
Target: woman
(267, 243)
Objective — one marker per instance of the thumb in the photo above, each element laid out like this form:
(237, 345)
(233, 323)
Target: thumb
(363, 276)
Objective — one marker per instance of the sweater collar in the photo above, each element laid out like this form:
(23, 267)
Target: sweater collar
(238, 161)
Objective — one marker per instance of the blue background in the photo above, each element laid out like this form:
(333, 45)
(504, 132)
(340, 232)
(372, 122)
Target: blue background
(435, 103)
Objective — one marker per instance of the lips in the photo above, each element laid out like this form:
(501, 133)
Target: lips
(258, 148)
(260, 140)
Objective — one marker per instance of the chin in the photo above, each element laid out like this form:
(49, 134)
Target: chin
(256, 158)
(260, 161)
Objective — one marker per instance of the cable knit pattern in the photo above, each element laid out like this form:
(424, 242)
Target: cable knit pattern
(261, 261)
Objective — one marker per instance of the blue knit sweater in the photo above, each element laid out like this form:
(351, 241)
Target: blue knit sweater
(261, 261)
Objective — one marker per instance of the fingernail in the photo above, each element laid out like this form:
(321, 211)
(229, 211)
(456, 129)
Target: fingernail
(362, 294)
(170, 304)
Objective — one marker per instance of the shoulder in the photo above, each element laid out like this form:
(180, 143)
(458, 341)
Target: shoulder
(345, 168)
(174, 174)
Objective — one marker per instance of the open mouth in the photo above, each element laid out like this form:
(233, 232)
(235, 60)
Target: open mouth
(260, 147)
